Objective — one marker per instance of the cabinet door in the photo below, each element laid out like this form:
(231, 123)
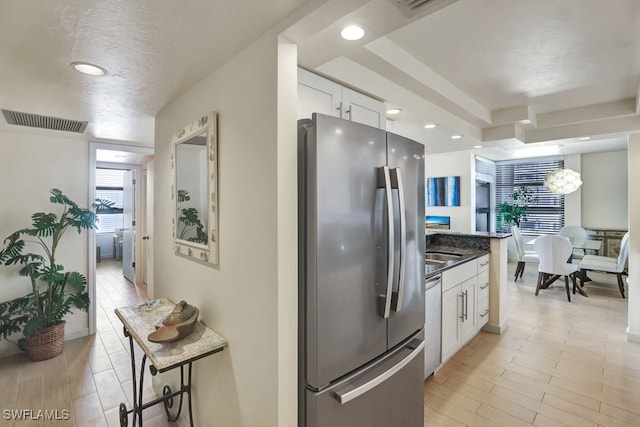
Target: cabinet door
(363, 109)
(317, 95)
(469, 321)
(451, 311)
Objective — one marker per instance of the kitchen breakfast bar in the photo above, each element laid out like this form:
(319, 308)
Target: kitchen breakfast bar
(475, 245)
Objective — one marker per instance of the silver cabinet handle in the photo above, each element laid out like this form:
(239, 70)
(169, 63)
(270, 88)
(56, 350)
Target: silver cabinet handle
(384, 181)
(484, 263)
(485, 286)
(466, 305)
(485, 313)
(462, 307)
(396, 182)
(349, 393)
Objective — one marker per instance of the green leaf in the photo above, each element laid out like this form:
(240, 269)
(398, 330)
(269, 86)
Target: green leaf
(105, 206)
(34, 325)
(45, 224)
(82, 219)
(183, 196)
(60, 198)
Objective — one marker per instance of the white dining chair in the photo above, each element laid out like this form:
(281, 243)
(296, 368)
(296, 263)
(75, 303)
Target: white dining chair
(577, 235)
(554, 251)
(523, 256)
(607, 264)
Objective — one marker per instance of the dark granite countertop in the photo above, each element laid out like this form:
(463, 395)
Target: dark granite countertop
(474, 234)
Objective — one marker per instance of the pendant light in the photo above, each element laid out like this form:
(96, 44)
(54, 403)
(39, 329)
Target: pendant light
(562, 181)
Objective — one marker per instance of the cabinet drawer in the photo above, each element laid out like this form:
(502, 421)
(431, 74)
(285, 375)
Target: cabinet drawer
(483, 285)
(457, 275)
(483, 263)
(483, 311)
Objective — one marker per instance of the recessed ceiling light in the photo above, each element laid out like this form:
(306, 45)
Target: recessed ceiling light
(456, 136)
(353, 32)
(88, 69)
(478, 146)
(584, 138)
(394, 111)
(430, 126)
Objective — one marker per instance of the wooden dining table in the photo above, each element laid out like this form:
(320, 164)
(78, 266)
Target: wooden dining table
(587, 245)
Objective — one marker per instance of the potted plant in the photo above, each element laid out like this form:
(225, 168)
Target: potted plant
(190, 227)
(39, 314)
(516, 211)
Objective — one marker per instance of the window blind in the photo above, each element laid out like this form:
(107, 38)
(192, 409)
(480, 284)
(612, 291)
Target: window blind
(545, 213)
(109, 186)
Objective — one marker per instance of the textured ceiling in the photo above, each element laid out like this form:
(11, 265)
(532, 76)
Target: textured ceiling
(153, 51)
(508, 75)
(505, 74)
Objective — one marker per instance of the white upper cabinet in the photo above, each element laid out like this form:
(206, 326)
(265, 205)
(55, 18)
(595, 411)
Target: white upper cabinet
(319, 95)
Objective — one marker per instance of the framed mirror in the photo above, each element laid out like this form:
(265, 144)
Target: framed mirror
(195, 190)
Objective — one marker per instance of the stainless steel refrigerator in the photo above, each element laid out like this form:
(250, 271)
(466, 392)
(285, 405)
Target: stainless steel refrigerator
(361, 276)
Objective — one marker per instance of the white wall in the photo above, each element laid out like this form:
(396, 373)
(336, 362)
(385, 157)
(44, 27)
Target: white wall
(633, 296)
(30, 165)
(459, 163)
(573, 201)
(250, 298)
(605, 190)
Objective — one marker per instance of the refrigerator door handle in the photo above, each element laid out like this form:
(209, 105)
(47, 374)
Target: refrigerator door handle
(384, 181)
(349, 393)
(396, 181)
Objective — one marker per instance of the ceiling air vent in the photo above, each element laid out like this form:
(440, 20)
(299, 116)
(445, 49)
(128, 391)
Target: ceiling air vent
(414, 8)
(43, 122)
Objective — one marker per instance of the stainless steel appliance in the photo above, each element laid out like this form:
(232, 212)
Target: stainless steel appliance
(361, 252)
(432, 324)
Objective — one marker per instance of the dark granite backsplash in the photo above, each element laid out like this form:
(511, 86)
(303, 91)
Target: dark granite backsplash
(458, 240)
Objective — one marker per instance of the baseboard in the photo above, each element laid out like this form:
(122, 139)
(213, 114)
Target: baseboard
(77, 333)
(495, 329)
(631, 337)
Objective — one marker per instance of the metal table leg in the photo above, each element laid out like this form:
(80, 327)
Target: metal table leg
(167, 394)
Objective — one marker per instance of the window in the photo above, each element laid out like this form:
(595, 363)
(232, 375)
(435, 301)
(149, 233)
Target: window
(545, 213)
(109, 186)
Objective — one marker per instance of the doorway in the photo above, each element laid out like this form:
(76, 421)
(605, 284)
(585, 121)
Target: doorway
(118, 173)
(483, 206)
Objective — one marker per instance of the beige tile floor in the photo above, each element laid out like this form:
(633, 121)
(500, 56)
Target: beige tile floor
(91, 377)
(558, 364)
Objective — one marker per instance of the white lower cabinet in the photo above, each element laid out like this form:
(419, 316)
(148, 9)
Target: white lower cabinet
(465, 304)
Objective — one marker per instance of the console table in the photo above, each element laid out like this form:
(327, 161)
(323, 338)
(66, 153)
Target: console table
(139, 321)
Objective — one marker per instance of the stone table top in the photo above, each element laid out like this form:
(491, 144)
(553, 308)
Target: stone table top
(140, 321)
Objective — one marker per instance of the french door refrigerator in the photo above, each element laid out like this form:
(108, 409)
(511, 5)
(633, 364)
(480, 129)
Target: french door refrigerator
(361, 276)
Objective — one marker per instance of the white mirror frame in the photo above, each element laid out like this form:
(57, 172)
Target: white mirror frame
(205, 253)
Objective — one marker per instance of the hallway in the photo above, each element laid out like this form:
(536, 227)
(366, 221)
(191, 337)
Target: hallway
(91, 377)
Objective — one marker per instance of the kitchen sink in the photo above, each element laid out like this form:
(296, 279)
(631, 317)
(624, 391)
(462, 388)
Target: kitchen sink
(440, 257)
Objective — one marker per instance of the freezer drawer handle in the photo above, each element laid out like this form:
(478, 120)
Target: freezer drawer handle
(396, 182)
(349, 393)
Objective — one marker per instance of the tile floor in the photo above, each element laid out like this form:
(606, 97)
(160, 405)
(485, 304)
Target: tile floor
(558, 364)
(91, 377)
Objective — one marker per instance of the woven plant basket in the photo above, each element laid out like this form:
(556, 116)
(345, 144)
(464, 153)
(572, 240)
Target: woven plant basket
(47, 343)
